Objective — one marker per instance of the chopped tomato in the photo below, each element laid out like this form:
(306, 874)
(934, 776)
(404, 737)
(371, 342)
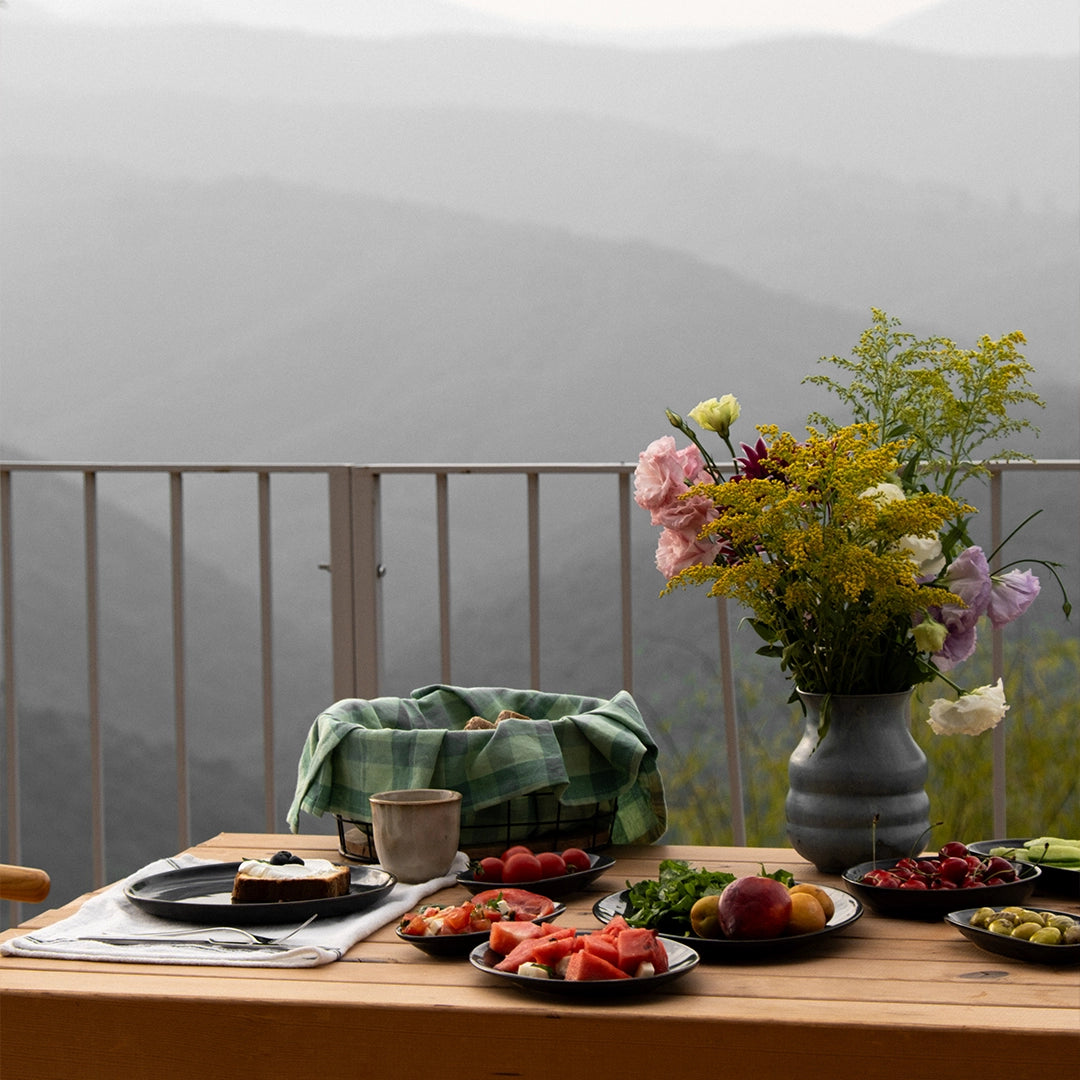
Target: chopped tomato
(525, 905)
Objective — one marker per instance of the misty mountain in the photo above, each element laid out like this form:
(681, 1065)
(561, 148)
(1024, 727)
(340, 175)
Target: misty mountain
(990, 28)
(987, 27)
(829, 103)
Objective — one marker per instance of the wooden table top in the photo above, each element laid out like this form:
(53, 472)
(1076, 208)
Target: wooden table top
(883, 998)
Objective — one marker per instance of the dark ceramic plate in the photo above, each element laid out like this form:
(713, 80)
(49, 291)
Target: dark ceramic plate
(933, 904)
(1057, 880)
(553, 887)
(1016, 948)
(681, 959)
(848, 909)
(201, 894)
(461, 944)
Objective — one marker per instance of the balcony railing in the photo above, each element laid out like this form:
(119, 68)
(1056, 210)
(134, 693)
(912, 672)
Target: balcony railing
(354, 531)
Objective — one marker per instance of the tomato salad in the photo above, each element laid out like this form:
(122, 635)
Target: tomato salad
(477, 914)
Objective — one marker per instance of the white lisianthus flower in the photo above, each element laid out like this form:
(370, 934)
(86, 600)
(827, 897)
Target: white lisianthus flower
(925, 551)
(971, 713)
(714, 415)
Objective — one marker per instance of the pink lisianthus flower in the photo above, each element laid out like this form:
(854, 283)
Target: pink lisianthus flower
(679, 549)
(1011, 594)
(660, 482)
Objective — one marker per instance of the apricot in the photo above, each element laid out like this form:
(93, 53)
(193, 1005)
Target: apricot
(819, 894)
(754, 907)
(704, 920)
(807, 915)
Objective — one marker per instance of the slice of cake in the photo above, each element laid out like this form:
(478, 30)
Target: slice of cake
(269, 881)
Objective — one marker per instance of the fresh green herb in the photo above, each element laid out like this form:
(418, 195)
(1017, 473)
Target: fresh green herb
(665, 903)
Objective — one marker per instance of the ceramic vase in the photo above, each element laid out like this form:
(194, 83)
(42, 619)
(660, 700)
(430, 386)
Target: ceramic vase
(858, 792)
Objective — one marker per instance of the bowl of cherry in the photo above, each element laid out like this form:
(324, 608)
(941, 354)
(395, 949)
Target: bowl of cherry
(930, 886)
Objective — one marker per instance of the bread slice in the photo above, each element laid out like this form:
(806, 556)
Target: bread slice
(259, 882)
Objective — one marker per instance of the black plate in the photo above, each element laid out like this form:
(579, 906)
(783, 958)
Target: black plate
(934, 904)
(460, 944)
(848, 909)
(201, 894)
(1057, 880)
(552, 887)
(681, 959)
(1016, 948)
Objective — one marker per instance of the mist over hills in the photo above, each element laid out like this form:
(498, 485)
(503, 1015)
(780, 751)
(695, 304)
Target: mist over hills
(252, 245)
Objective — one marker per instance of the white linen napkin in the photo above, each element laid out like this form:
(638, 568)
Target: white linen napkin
(111, 914)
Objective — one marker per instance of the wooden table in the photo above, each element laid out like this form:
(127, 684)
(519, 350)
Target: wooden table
(884, 998)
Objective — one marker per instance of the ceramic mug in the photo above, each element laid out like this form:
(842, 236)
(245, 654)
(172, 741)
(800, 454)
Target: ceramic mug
(416, 831)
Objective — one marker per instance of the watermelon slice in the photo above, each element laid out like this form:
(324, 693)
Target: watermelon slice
(526, 950)
(506, 935)
(586, 966)
(640, 945)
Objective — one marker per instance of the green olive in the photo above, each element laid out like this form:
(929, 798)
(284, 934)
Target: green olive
(1072, 935)
(1026, 929)
(1061, 922)
(1033, 916)
(1048, 935)
(983, 917)
(1001, 926)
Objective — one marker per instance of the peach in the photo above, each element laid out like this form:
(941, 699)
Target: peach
(754, 907)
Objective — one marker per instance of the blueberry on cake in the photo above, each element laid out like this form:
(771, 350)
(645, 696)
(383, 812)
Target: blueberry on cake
(285, 876)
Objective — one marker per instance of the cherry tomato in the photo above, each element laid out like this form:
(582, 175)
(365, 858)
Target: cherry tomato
(489, 869)
(522, 866)
(552, 864)
(517, 849)
(576, 859)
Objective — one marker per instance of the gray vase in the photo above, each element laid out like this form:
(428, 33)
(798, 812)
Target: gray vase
(868, 766)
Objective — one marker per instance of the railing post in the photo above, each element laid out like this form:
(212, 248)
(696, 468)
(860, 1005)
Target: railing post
(176, 539)
(368, 571)
(442, 538)
(731, 726)
(266, 635)
(93, 680)
(342, 604)
(11, 719)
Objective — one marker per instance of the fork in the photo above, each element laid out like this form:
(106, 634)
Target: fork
(254, 939)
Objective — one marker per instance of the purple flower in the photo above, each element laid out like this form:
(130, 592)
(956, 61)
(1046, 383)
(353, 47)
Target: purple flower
(968, 576)
(1011, 594)
(960, 639)
(751, 466)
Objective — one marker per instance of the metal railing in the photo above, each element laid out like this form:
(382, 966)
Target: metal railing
(354, 534)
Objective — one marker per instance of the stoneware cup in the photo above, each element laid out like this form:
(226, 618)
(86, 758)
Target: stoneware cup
(416, 832)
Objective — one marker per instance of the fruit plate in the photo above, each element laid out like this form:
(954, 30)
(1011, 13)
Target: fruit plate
(553, 887)
(1017, 948)
(934, 904)
(1056, 880)
(202, 894)
(681, 959)
(848, 909)
(461, 944)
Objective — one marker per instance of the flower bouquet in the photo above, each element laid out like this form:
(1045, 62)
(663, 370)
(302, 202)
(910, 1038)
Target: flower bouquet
(850, 547)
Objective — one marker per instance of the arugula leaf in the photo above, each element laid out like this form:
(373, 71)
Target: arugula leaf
(664, 903)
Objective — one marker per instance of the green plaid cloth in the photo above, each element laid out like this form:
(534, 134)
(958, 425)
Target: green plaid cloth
(584, 750)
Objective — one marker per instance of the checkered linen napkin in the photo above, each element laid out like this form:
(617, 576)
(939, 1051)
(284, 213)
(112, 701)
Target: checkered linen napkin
(584, 750)
(111, 914)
